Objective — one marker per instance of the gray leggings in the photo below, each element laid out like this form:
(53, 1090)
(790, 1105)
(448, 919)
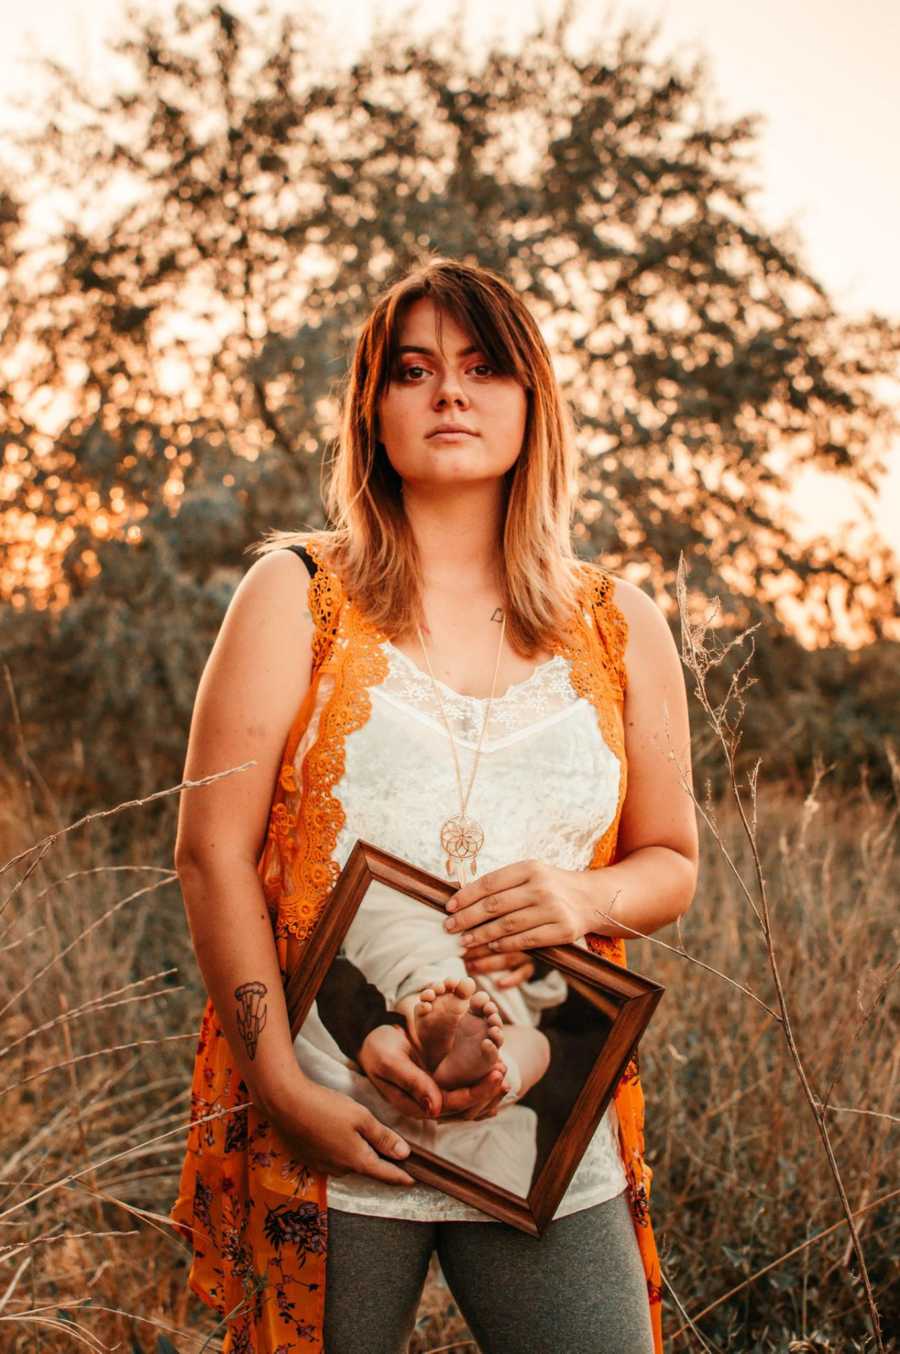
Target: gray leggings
(578, 1289)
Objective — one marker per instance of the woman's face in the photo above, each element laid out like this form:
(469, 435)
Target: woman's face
(456, 385)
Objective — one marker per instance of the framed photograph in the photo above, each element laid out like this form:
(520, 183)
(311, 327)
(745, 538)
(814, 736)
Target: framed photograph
(566, 1036)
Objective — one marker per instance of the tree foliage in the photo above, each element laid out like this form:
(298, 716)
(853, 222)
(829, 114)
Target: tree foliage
(234, 201)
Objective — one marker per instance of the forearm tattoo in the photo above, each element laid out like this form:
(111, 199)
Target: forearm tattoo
(251, 1014)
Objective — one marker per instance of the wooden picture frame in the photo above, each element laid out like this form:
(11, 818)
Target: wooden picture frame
(542, 1144)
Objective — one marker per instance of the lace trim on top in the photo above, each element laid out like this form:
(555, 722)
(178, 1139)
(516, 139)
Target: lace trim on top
(514, 691)
(543, 695)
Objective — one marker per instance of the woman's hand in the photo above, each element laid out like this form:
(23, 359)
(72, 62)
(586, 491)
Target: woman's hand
(391, 1062)
(521, 907)
(331, 1133)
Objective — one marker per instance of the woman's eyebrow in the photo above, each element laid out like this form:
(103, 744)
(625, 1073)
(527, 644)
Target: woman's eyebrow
(429, 352)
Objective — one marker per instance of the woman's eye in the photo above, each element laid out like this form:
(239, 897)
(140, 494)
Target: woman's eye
(409, 373)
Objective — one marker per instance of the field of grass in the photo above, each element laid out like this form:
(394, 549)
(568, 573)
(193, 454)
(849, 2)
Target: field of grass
(100, 1001)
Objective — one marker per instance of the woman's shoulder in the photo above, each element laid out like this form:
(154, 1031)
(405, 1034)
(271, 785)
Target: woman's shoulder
(272, 598)
(288, 600)
(304, 556)
(634, 624)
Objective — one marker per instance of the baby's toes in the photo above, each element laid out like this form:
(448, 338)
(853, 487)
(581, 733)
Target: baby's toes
(463, 987)
(480, 1001)
(489, 1049)
(495, 1034)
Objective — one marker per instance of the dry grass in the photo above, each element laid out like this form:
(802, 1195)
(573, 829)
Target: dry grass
(740, 1175)
(100, 1001)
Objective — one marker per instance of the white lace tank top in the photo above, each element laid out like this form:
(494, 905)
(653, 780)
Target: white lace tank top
(546, 788)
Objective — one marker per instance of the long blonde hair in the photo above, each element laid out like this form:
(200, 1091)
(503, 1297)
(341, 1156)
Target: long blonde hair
(371, 545)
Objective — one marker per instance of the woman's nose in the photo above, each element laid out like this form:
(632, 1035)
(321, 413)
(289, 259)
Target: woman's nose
(450, 388)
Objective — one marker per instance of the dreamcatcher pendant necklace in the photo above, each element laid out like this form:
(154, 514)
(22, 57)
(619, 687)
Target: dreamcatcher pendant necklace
(461, 836)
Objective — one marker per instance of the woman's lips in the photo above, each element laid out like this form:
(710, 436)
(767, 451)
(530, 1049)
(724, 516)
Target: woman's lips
(450, 435)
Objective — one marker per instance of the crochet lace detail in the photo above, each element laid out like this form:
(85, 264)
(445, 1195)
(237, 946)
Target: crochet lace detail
(300, 869)
(598, 673)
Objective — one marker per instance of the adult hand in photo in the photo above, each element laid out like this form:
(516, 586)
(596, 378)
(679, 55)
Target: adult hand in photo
(521, 907)
(391, 1062)
(509, 970)
(480, 1101)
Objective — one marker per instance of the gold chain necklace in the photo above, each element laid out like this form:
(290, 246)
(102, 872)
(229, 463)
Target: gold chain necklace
(461, 836)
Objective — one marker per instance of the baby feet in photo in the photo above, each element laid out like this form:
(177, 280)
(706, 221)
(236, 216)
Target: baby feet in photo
(475, 1049)
(437, 1014)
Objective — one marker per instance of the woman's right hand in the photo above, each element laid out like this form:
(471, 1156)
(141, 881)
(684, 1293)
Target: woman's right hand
(332, 1134)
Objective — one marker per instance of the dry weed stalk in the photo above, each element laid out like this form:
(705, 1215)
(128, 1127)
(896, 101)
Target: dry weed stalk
(700, 657)
(51, 838)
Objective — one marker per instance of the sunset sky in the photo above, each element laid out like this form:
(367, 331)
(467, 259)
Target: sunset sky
(823, 74)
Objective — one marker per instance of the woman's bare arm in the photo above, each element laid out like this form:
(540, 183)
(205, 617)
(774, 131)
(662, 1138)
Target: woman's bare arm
(255, 678)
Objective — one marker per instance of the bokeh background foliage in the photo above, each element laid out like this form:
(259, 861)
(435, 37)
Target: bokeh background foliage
(186, 257)
(215, 225)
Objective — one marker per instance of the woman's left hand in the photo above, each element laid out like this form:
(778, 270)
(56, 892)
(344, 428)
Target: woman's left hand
(521, 907)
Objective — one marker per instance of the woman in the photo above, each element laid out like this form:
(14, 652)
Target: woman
(458, 689)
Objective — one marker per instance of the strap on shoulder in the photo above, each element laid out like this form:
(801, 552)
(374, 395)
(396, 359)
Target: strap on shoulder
(325, 598)
(307, 558)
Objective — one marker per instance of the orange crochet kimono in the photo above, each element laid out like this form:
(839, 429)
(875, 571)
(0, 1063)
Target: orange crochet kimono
(255, 1217)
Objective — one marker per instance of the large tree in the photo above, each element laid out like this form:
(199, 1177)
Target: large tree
(232, 208)
(229, 207)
